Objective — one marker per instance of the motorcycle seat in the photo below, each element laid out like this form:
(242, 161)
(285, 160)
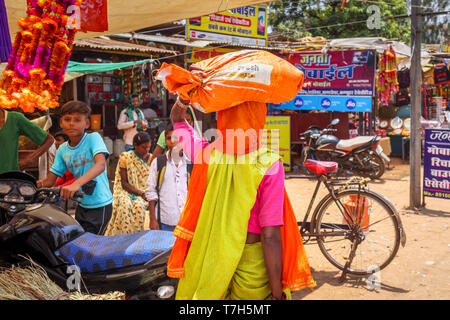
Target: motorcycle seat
(321, 167)
(94, 253)
(350, 144)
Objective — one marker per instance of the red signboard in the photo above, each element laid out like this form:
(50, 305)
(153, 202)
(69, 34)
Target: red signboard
(343, 73)
(94, 15)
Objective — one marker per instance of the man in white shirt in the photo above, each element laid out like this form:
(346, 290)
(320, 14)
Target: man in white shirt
(131, 121)
(173, 190)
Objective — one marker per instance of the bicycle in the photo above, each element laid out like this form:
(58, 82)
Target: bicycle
(352, 224)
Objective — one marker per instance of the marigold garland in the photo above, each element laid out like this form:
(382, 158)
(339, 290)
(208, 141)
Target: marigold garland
(34, 75)
(387, 77)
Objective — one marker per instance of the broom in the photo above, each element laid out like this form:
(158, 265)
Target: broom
(33, 283)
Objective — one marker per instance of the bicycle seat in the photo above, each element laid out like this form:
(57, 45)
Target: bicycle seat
(94, 253)
(321, 167)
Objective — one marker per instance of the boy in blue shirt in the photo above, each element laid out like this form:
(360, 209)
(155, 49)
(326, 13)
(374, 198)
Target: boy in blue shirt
(85, 156)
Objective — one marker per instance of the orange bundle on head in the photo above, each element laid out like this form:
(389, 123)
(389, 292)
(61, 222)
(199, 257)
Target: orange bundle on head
(230, 79)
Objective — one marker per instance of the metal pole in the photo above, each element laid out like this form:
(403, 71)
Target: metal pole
(416, 81)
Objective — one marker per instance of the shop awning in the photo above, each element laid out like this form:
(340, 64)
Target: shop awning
(106, 44)
(86, 68)
(402, 50)
(127, 16)
(78, 69)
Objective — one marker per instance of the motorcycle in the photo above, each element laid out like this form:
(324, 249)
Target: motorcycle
(361, 155)
(74, 259)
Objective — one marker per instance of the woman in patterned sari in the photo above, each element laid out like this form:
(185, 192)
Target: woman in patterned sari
(129, 206)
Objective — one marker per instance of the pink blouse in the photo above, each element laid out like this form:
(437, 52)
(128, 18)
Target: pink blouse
(268, 208)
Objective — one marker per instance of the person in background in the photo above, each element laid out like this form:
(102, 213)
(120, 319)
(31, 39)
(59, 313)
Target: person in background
(161, 144)
(15, 124)
(149, 113)
(171, 194)
(132, 121)
(130, 206)
(85, 156)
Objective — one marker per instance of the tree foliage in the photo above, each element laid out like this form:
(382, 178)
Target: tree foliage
(302, 18)
(435, 28)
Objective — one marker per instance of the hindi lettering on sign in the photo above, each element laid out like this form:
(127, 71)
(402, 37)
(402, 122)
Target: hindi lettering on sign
(440, 136)
(439, 151)
(317, 59)
(438, 162)
(436, 181)
(330, 74)
(440, 173)
(345, 72)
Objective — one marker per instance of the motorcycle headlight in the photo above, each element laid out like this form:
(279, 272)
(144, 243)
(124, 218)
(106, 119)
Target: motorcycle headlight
(27, 190)
(4, 188)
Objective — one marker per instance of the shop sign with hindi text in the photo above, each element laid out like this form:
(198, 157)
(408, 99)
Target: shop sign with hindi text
(334, 81)
(246, 26)
(277, 137)
(436, 163)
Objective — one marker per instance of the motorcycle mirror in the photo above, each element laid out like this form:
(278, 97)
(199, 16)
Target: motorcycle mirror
(335, 122)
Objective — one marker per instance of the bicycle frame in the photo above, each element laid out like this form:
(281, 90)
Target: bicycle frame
(305, 226)
(350, 228)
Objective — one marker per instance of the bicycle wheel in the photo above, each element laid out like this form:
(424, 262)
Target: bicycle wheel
(375, 229)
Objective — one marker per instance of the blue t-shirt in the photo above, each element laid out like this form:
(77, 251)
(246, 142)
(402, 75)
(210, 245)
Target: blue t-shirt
(79, 160)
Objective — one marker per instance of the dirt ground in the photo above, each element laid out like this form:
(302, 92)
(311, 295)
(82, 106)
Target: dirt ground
(421, 269)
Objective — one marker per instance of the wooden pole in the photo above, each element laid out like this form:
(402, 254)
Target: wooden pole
(416, 81)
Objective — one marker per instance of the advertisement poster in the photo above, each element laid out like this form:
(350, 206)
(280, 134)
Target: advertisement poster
(436, 163)
(278, 138)
(246, 25)
(334, 81)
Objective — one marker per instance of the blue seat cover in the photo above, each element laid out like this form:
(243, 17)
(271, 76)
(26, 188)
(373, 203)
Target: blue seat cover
(93, 253)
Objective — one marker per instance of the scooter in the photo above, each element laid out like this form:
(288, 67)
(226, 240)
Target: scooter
(361, 155)
(74, 259)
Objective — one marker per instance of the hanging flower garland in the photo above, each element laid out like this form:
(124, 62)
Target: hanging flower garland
(40, 54)
(387, 76)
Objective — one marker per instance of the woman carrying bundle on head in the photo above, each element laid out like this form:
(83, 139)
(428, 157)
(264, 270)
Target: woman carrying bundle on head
(130, 207)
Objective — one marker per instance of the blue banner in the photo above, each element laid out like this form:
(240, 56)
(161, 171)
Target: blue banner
(327, 103)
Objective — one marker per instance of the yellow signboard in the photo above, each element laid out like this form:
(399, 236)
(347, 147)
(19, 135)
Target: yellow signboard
(445, 47)
(246, 25)
(278, 138)
(199, 54)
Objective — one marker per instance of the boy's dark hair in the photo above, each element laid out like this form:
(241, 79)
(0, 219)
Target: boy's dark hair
(61, 134)
(75, 106)
(169, 127)
(134, 95)
(140, 138)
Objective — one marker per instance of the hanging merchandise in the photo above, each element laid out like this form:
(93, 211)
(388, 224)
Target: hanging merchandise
(441, 74)
(34, 75)
(402, 97)
(403, 78)
(387, 77)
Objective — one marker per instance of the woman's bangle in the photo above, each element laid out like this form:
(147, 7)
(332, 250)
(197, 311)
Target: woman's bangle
(181, 104)
(283, 296)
